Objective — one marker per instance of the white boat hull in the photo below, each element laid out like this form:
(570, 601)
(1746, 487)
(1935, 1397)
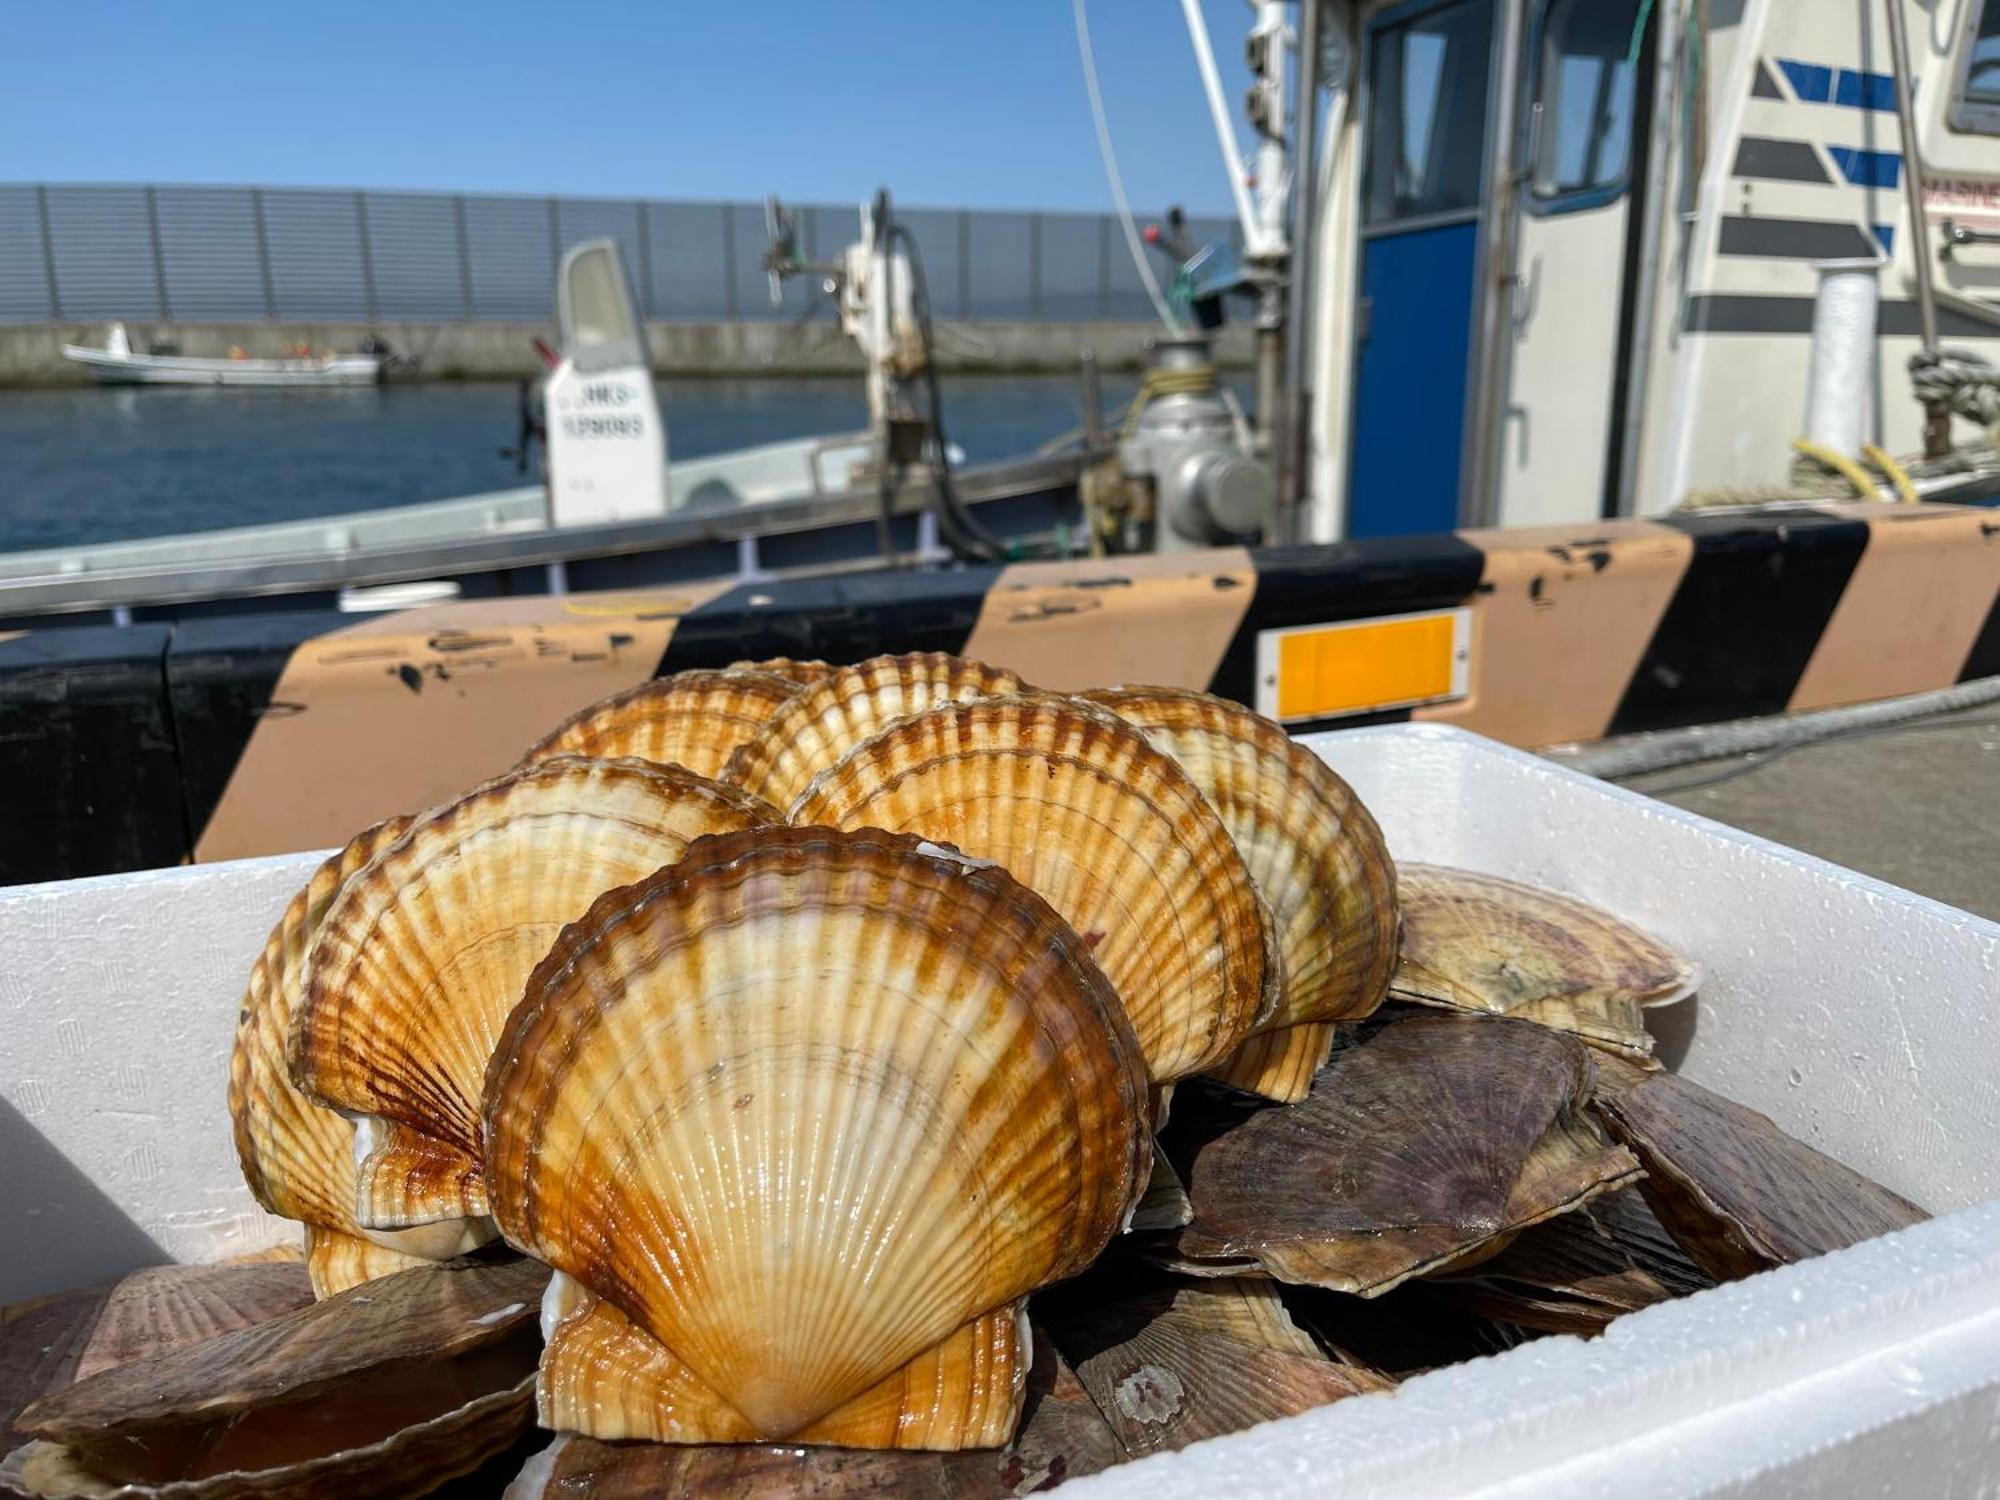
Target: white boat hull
(109, 368)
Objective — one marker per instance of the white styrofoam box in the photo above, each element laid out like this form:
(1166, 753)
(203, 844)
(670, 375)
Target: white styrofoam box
(118, 999)
(1859, 1016)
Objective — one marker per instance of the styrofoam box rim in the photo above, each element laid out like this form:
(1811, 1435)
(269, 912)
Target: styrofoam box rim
(1786, 1383)
(1856, 1014)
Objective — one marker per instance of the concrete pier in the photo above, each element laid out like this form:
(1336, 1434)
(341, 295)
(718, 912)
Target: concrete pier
(31, 354)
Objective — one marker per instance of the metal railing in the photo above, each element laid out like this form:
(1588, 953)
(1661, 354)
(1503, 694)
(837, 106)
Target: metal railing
(76, 253)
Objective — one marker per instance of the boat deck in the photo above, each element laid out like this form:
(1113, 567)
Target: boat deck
(1911, 803)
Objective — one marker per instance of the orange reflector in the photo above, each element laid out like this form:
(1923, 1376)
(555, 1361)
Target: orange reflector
(1320, 671)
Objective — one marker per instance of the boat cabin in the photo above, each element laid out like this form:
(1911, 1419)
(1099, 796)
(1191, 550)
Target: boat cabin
(1567, 251)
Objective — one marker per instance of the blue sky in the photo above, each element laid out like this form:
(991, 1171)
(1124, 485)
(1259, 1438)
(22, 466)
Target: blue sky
(950, 102)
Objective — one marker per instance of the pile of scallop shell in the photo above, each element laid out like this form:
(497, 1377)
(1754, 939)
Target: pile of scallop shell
(892, 1078)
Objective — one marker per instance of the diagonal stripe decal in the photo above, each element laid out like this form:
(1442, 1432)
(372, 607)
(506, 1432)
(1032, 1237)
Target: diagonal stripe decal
(1811, 82)
(1792, 239)
(1819, 83)
(1750, 312)
(1875, 91)
(1983, 660)
(1910, 615)
(1744, 622)
(1562, 617)
(1775, 160)
(1863, 168)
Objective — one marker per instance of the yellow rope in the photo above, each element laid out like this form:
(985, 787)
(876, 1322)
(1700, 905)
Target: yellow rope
(1898, 475)
(1841, 464)
(1157, 383)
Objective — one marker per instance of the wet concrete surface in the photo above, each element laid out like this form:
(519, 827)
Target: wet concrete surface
(1917, 804)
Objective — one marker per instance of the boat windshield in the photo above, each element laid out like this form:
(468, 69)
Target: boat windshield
(599, 328)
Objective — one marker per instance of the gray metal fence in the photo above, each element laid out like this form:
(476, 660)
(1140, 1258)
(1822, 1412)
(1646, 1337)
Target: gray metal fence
(80, 253)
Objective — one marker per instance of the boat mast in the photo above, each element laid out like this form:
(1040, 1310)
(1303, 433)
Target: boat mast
(1937, 414)
(1294, 449)
(1263, 220)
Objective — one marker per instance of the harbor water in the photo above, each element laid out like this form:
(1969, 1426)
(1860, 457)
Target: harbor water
(85, 465)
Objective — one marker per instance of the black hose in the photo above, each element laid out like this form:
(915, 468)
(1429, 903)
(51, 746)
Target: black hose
(963, 532)
(887, 477)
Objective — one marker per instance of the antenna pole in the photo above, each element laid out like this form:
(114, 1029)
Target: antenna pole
(1937, 414)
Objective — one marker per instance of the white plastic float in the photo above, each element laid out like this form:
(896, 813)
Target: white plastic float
(1863, 1019)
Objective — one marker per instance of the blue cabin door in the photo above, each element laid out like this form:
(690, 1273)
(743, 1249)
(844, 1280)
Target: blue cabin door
(1425, 137)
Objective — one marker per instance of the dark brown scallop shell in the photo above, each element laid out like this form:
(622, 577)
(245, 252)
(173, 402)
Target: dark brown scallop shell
(392, 1387)
(1424, 1143)
(1738, 1193)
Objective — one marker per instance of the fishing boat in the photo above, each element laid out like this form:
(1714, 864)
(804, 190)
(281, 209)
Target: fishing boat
(614, 510)
(118, 363)
(1510, 263)
(1579, 411)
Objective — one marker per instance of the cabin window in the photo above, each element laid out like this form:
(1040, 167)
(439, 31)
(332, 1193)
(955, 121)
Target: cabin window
(1427, 113)
(1585, 70)
(1977, 106)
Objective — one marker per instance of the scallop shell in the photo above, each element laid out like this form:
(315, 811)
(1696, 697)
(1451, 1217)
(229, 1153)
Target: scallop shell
(1423, 1146)
(803, 1118)
(605, 1375)
(413, 1379)
(804, 673)
(1061, 1437)
(1578, 1271)
(1077, 805)
(692, 719)
(1480, 943)
(1411, 1333)
(48, 1343)
(1164, 1204)
(165, 1308)
(339, 1260)
(1735, 1191)
(41, 1341)
(297, 1156)
(1317, 859)
(1173, 1367)
(424, 952)
(844, 708)
(1280, 1064)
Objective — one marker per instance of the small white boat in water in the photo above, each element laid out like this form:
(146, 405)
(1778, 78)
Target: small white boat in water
(118, 363)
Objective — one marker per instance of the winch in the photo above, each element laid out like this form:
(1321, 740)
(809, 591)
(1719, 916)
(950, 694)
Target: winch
(1183, 440)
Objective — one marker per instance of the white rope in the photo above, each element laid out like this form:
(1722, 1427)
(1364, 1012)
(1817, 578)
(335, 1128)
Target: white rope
(1104, 150)
(1663, 749)
(1959, 378)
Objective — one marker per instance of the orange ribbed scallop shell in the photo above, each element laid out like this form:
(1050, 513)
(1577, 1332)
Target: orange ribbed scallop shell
(1077, 805)
(298, 1156)
(424, 952)
(1317, 858)
(848, 705)
(804, 673)
(693, 719)
(800, 1120)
